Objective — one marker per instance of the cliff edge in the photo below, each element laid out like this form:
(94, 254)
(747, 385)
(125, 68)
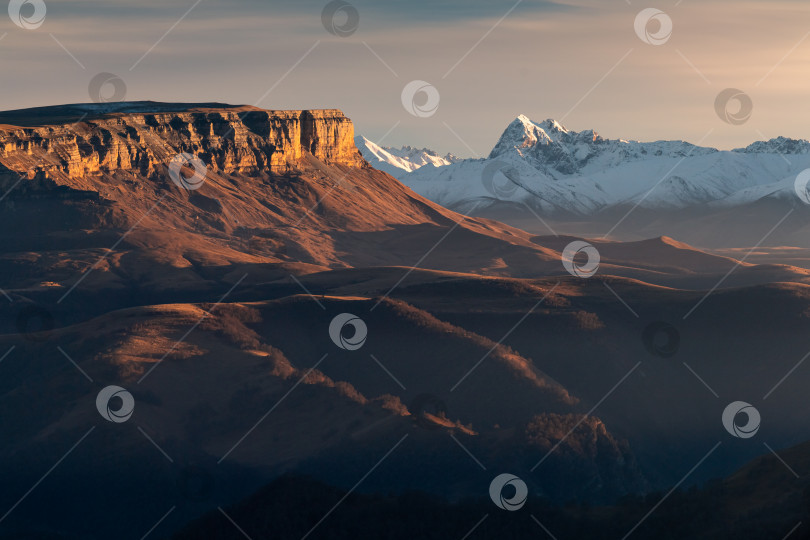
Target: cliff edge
(80, 140)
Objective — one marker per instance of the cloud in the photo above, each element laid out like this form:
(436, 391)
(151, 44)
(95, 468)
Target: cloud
(546, 59)
(388, 13)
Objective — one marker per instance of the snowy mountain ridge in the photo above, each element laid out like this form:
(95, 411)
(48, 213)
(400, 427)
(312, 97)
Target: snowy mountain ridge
(555, 170)
(552, 148)
(398, 161)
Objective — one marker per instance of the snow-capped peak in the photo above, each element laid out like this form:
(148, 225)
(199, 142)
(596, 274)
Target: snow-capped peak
(398, 161)
(778, 145)
(549, 124)
(524, 133)
(558, 151)
(552, 126)
(554, 169)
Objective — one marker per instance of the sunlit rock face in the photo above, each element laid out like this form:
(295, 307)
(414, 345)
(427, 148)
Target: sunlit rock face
(83, 140)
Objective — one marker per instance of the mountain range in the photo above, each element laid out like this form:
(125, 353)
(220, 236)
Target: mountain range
(397, 161)
(566, 177)
(197, 255)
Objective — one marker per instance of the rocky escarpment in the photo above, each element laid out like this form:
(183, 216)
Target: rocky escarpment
(276, 186)
(142, 137)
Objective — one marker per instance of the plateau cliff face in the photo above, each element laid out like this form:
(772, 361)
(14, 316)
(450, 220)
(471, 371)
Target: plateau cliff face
(280, 187)
(80, 140)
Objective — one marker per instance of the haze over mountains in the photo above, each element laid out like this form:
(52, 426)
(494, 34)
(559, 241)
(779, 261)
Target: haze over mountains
(211, 303)
(698, 194)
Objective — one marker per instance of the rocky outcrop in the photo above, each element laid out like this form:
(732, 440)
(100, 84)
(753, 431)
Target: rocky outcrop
(82, 140)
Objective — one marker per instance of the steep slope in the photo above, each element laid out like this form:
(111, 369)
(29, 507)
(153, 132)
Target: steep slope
(280, 187)
(588, 336)
(243, 398)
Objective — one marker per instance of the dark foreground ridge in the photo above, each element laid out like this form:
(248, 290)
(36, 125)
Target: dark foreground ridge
(288, 508)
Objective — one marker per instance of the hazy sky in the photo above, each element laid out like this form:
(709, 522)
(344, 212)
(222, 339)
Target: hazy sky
(579, 62)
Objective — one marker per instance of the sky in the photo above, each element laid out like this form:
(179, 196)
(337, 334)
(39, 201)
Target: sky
(486, 61)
